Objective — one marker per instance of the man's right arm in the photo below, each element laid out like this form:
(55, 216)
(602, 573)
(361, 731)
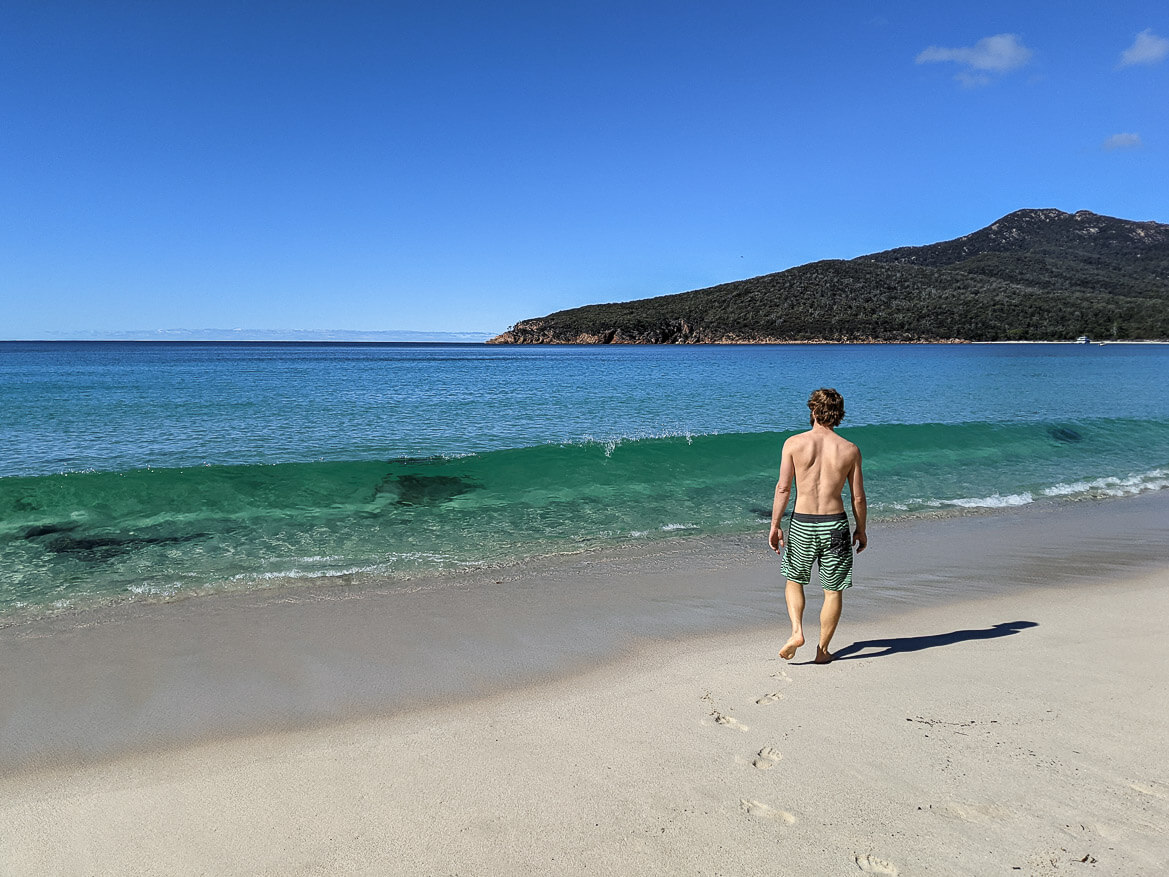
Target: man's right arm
(783, 489)
(860, 507)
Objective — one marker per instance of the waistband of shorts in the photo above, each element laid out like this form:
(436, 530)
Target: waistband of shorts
(805, 518)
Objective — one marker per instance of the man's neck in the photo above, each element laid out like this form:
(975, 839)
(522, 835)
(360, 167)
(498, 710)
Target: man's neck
(817, 426)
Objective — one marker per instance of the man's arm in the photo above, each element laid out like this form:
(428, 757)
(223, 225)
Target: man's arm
(860, 506)
(783, 491)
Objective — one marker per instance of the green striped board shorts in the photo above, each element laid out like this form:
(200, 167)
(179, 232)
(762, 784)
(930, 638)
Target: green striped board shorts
(824, 539)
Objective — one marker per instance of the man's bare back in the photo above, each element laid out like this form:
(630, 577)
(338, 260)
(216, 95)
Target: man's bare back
(821, 463)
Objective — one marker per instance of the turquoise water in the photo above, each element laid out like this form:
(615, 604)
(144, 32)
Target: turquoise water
(133, 471)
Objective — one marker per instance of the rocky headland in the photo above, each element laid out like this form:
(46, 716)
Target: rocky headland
(1034, 275)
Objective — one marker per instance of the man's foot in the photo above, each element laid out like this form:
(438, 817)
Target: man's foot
(823, 656)
(789, 648)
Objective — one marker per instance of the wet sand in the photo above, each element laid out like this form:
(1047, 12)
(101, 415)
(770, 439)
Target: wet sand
(996, 706)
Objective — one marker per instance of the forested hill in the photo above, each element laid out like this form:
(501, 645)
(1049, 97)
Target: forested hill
(1034, 275)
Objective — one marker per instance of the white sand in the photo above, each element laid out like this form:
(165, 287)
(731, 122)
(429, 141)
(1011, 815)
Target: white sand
(1039, 752)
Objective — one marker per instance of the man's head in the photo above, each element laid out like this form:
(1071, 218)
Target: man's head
(827, 407)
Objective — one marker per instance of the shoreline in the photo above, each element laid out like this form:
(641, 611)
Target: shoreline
(151, 677)
(730, 342)
(967, 736)
(342, 343)
(88, 610)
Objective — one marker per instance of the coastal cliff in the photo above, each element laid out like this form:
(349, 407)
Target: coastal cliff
(1035, 275)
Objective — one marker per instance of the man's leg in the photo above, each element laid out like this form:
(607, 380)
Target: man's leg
(795, 610)
(829, 617)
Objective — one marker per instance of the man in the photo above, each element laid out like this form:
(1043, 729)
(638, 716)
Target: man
(821, 462)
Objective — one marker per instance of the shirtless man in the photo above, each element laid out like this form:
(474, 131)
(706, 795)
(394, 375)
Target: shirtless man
(821, 462)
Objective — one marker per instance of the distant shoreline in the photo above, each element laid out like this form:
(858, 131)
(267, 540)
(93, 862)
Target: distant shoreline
(336, 343)
(1085, 344)
(815, 342)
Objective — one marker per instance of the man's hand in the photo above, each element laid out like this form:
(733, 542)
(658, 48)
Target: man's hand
(860, 540)
(776, 539)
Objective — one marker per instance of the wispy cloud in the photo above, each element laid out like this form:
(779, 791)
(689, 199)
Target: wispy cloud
(1147, 48)
(1122, 141)
(989, 57)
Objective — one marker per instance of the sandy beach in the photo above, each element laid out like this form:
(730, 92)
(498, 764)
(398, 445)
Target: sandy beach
(997, 708)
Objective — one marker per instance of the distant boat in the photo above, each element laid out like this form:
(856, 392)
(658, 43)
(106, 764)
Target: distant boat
(1083, 339)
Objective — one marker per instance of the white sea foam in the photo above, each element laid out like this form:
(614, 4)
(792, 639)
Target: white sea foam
(1108, 486)
(1067, 489)
(295, 573)
(668, 527)
(994, 501)
(1154, 479)
(611, 444)
(387, 565)
(153, 590)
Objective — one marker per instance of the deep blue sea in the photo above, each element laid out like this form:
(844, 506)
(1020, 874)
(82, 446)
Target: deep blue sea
(149, 470)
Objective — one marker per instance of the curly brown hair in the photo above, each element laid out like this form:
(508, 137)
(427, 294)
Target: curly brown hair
(827, 407)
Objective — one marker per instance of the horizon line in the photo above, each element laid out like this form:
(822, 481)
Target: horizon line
(259, 335)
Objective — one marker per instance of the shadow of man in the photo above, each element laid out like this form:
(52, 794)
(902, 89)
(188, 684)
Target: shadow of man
(896, 645)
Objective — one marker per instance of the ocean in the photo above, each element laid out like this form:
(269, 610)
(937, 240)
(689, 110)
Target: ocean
(147, 471)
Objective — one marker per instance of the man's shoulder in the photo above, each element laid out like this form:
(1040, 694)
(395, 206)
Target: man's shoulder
(798, 439)
(844, 444)
(849, 447)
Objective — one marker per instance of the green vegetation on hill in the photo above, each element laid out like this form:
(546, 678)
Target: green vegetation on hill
(1033, 275)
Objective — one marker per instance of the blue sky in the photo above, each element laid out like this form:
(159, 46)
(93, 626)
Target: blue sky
(449, 166)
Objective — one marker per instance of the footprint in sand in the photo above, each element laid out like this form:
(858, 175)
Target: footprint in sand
(770, 698)
(1147, 790)
(767, 758)
(765, 811)
(873, 865)
(728, 721)
(782, 674)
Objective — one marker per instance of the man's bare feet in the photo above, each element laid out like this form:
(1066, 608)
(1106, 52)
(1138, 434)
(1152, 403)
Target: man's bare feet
(789, 648)
(823, 656)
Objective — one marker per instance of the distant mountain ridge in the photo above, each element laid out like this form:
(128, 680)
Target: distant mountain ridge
(1034, 275)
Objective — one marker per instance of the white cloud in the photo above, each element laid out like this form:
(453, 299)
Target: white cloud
(990, 55)
(1147, 48)
(1122, 141)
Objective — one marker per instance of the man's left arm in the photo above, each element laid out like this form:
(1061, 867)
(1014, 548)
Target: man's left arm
(860, 507)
